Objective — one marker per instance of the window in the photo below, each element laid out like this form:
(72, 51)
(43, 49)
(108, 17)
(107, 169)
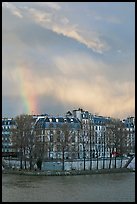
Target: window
(51, 138)
(58, 138)
(73, 138)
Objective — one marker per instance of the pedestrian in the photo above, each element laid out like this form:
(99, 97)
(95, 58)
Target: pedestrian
(35, 167)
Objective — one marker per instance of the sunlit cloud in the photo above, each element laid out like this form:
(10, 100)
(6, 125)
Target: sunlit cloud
(14, 10)
(94, 90)
(81, 87)
(45, 53)
(52, 5)
(60, 25)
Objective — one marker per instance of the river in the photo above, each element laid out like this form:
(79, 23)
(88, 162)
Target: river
(117, 187)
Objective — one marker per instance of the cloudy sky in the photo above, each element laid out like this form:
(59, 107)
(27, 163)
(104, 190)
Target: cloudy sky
(59, 56)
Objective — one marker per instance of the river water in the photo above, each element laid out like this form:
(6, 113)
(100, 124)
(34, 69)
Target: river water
(118, 187)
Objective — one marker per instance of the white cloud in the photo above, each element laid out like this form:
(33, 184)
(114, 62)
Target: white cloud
(52, 5)
(40, 17)
(17, 13)
(72, 32)
(60, 24)
(14, 10)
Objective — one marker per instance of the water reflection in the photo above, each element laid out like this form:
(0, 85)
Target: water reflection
(119, 187)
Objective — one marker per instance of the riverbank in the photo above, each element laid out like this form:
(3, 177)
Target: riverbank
(66, 173)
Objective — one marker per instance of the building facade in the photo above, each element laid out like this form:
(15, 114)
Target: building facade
(7, 146)
(59, 135)
(77, 135)
(129, 123)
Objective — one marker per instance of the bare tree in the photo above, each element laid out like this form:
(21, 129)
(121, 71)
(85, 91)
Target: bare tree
(103, 143)
(65, 139)
(93, 145)
(109, 141)
(85, 139)
(116, 139)
(51, 139)
(41, 142)
(87, 131)
(22, 137)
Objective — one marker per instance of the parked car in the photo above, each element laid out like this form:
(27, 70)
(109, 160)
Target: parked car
(116, 154)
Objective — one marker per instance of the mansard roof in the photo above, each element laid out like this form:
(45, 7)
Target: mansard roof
(100, 120)
(54, 122)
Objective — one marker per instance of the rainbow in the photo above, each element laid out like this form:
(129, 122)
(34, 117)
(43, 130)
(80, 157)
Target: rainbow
(27, 90)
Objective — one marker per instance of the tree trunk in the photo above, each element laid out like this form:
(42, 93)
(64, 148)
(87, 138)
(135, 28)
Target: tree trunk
(21, 166)
(24, 159)
(121, 162)
(103, 162)
(115, 162)
(97, 160)
(21, 159)
(78, 146)
(63, 165)
(30, 160)
(84, 157)
(90, 159)
(39, 163)
(110, 160)
(104, 159)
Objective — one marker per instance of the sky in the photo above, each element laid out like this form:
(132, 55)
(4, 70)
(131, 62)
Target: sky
(61, 56)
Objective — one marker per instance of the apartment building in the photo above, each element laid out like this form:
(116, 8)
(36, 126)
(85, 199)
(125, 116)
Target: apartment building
(59, 134)
(130, 126)
(87, 135)
(7, 146)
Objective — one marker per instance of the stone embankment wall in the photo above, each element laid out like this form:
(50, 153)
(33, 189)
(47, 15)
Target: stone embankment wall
(74, 165)
(79, 165)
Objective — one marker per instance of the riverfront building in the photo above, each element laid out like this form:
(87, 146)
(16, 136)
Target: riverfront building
(130, 126)
(77, 135)
(7, 146)
(96, 131)
(60, 136)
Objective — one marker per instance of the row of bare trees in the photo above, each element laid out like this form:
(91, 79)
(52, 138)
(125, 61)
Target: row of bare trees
(31, 142)
(111, 141)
